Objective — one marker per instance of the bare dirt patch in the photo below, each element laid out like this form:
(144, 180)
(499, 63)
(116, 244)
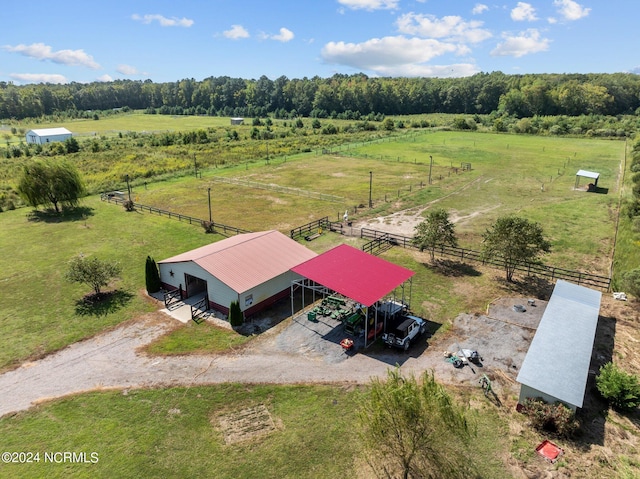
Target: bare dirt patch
(246, 424)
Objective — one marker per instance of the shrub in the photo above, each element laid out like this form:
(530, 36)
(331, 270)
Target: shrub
(631, 282)
(235, 314)
(208, 226)
(129, 205)
(152, 276)
(618, 387)
(555, 417)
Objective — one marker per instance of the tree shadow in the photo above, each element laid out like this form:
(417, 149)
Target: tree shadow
(79, 213)
(534, 286)
(103, 303)
(447, 267)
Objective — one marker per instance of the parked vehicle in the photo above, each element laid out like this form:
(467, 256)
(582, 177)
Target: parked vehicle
(407, 330)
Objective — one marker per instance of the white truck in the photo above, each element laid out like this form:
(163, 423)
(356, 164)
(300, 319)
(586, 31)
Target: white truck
(408, 329)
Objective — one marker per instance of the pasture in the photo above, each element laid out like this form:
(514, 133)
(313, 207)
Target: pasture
(174, 432)
(532, 177)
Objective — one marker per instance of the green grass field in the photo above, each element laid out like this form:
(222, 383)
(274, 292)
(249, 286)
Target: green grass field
(533, 177)
(177, 433)
(173, 432)
(41, 312)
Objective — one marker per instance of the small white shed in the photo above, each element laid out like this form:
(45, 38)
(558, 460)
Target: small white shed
(253, 269)
(237, 121)
(47, 135)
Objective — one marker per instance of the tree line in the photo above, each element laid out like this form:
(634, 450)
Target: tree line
(340, 96)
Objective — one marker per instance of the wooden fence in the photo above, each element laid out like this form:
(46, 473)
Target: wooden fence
(216, 228)
(313, 228)
(578, 277)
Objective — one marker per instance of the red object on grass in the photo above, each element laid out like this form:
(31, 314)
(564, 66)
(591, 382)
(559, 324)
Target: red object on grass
(550, 451)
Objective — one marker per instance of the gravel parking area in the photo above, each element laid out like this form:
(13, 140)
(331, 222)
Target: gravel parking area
(293, 351)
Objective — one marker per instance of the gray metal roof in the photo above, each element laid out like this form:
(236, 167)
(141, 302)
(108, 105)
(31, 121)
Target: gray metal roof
(558, 359)
(588, 174)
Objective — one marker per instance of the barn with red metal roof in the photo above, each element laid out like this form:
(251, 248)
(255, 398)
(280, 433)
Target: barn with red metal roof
(253, 269)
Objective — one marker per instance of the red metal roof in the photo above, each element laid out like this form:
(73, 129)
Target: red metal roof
(245, 261)
(355, 274)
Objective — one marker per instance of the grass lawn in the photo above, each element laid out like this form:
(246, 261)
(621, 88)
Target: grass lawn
(204, 338)
(176, 433)
(40, 311)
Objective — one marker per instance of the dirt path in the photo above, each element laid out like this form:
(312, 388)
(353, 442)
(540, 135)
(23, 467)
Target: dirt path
(404, 222)
(293, 354)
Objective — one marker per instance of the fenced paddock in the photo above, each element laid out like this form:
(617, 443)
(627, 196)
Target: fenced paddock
(382, 241)
(217, 227)
(279, 189)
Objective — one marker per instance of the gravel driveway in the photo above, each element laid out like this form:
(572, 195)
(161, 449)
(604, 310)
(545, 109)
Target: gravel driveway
(298, 351)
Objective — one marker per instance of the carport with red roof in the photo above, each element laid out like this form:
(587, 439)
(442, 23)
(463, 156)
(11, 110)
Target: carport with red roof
(357, 275)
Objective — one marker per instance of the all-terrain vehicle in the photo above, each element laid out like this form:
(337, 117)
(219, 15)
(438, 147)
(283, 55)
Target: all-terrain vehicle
(401, 336)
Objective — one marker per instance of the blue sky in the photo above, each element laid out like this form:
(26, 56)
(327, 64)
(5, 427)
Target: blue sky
(70, 40)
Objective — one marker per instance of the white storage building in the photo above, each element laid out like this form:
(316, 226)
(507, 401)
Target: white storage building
(47, 135)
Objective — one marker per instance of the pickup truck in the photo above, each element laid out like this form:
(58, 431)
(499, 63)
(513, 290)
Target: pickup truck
(409, 328)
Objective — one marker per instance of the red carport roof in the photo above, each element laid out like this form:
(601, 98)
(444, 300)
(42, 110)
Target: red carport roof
(355, 274)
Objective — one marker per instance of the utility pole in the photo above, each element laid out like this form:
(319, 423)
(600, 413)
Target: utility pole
(209, 192)
(195, 165)
(126, 178)
(370, 185)
(430, 166)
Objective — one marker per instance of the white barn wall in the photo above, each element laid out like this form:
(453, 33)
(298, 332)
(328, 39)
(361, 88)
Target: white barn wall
(218, 292)
(529, 392)
(266, 290)
(35, 139)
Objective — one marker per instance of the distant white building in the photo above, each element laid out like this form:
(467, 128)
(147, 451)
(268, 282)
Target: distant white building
(237, 121)
(47, 135)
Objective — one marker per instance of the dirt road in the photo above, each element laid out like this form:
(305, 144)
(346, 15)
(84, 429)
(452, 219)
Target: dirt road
(295, 353)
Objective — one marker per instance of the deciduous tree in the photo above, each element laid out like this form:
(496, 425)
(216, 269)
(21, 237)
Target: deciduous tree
(51, 183)
(435, 230)
(515, 240)
(92, 271)
(413, 428)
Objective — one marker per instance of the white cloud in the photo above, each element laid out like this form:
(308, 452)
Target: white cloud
(452, 28)
(105, 78)
(40, 51)
(571, 10)
(163, 21)
(39, 78)
(388, 55)
(370, 4)
(522, 44)
(479, 9)
(236, 32)
(524, 11)
(284, 36)
(128, 70)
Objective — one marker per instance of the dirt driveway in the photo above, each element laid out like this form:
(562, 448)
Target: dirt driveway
(295, 351)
